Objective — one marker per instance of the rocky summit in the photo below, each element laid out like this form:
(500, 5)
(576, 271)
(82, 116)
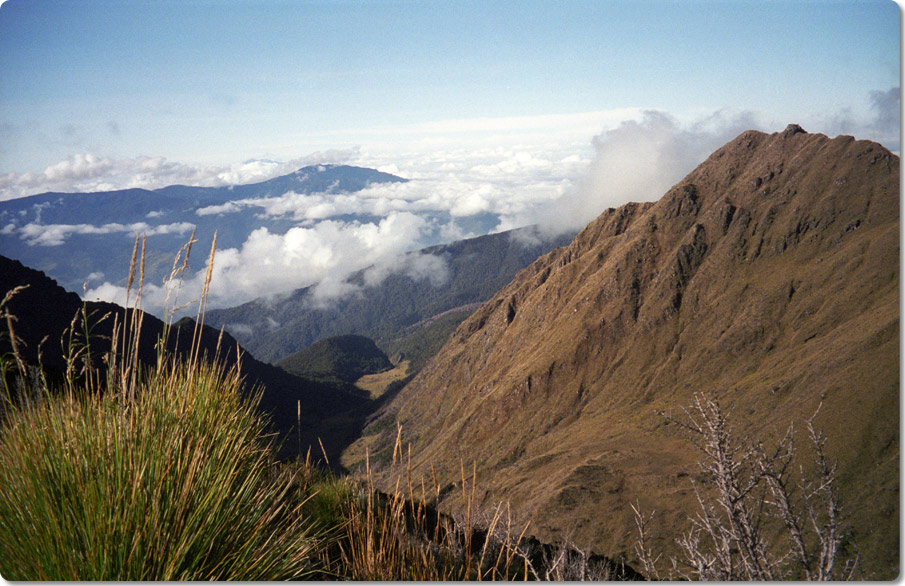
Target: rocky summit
(768, 279)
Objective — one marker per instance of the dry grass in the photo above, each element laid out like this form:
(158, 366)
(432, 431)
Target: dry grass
(377, 384)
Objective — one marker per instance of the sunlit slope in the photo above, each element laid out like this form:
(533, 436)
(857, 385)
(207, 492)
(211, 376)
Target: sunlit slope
(768, 278)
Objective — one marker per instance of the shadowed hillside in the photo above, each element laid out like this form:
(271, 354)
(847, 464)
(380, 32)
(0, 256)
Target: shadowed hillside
(43, 319)
(767, 278)
(345, 358)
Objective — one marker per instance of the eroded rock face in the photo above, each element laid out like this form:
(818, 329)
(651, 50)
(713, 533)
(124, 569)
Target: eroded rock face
(768, 277)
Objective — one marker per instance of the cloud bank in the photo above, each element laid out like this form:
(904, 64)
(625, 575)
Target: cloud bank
(86, 172)
(639, 160)
(56, 234)
(267, 263)
(558, 180)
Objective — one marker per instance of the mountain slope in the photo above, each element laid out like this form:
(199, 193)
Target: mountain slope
(346, 358)
(768, 277)
(43, 311)
(461, 273)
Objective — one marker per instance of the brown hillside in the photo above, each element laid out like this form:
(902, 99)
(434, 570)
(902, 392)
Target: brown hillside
(768, 277)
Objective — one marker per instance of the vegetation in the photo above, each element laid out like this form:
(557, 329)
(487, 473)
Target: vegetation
(342, 358)
(166, 472)
(146, 474)
(398, 536)
(757, 521)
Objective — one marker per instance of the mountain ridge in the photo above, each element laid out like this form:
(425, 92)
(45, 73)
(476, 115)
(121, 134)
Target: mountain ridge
(767, 276)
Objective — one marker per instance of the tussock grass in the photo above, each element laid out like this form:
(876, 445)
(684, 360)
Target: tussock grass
(159, 473)
(175, 485)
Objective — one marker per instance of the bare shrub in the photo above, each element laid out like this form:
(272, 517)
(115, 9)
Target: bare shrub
(758, 520)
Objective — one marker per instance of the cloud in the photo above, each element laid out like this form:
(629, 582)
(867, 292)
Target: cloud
(881, 123)
(502, 181)
(239, 329)
(639, 160)
(35, 234)
(887, 107)
(216, 210)
(416, 266)
(885, 127)
(325, 253)
(87, 172)
(523, 171)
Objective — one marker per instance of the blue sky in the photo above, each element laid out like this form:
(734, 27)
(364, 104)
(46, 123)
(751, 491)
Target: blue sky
(225, 81)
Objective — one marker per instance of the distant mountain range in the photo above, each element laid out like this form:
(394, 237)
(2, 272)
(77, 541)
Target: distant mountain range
(80, 237)
(397, 311)
(768, 278)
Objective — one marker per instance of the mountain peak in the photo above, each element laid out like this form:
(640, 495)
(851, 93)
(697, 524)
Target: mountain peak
(793, 129)
(767, 277)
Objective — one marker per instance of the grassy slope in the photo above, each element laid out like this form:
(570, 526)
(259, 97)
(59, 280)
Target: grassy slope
(345, 358)
(768, 277)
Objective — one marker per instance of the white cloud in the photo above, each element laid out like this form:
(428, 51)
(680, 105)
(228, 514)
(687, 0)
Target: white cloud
(500, 181)
(87, 172)
(216, 210)
(638, 161)
(239, 329)
(881, 124)
(416, 266)
(545, 170)
(268, 263)
(36, 234)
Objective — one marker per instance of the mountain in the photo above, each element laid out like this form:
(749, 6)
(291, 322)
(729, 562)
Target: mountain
(346, 358)
(424, 285)
(73, 237)
(329, 414)
(767, 278)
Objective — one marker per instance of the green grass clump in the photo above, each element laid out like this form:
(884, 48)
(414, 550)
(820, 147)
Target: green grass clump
(169, 480)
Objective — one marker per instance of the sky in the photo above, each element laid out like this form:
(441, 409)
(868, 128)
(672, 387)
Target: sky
(206, 82)
(529, 109)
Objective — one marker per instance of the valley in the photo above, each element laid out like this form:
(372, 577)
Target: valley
(767, 280)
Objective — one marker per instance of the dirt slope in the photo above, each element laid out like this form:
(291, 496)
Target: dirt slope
(768, 277)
